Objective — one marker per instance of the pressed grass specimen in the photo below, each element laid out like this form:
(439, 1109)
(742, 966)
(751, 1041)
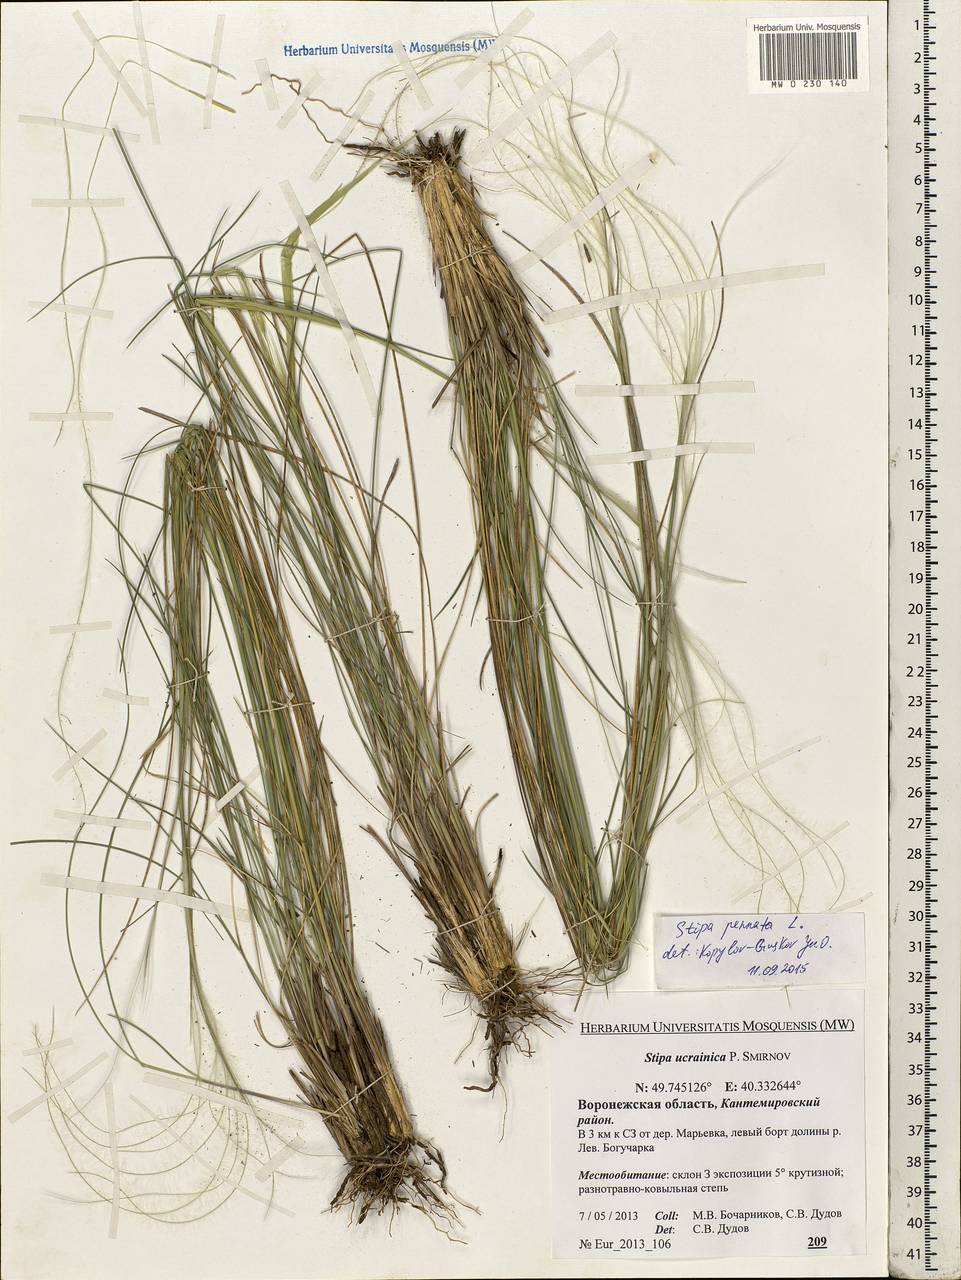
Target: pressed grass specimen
(288, 855)
(300, 535)
(511, 411)
(569, 152)
(330, 548)
(263, 388)
(256, 506)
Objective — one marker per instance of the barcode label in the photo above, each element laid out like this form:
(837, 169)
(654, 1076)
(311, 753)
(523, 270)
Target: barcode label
(808, 56)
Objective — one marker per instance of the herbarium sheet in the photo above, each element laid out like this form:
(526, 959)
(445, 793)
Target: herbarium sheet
(445, 670)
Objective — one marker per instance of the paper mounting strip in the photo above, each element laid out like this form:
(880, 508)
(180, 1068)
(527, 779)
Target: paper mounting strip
(633, 173)
(71, 309)
(682, 289)
(57, 122)
(214, 70)
(78, 628)
(98, 820)
(267, 84)
(307, 87)
(811, 848)
(283, 1155)
(41, 1098)
(344, 134)
(629, 390)
(293, 1111)
(748, 773)
(410, 74)
(333, 297)
(108, 62)
(540, 96)
(130, 699)
(146, 893)
(147, 74)
(77, 757)
(114, 1160)
(670, 451)
(235, 790)
(49, 1047)
(486, 56)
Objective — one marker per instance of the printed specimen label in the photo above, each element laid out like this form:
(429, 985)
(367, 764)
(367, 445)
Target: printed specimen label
(689, 1125)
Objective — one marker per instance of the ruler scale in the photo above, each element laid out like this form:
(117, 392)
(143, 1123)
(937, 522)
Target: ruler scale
(925, 636)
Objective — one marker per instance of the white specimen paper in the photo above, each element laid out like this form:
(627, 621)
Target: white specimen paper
(781, 584)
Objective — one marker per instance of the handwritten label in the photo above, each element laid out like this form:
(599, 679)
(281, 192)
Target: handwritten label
(694, 952)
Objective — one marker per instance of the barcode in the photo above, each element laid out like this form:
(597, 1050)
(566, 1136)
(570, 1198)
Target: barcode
(808, 55)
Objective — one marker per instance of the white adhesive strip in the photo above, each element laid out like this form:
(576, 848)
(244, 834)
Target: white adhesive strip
(214, 70)
(72, 309)
(267, 84)
(76, 757)
(96, 820)
(77, 628)
(57, 123)
(219, 1173)
(129, 699)
(307, 88)
(235, 790)
(670, 451)
(333, 297)
(211, 1095)
(344, 134)
(283, 1155)
(108, 62)
(537, 99)
(410, 74)
(629, 390)
(41, 1098)
(73, 415)
(683, 289)
(77, 202)
(486, 56)
(748, 773)
(48, 1048)
(776, 875)
(147, 75)
(114, 1160)
(633, 173)
(106, 889)
(196, 1091)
